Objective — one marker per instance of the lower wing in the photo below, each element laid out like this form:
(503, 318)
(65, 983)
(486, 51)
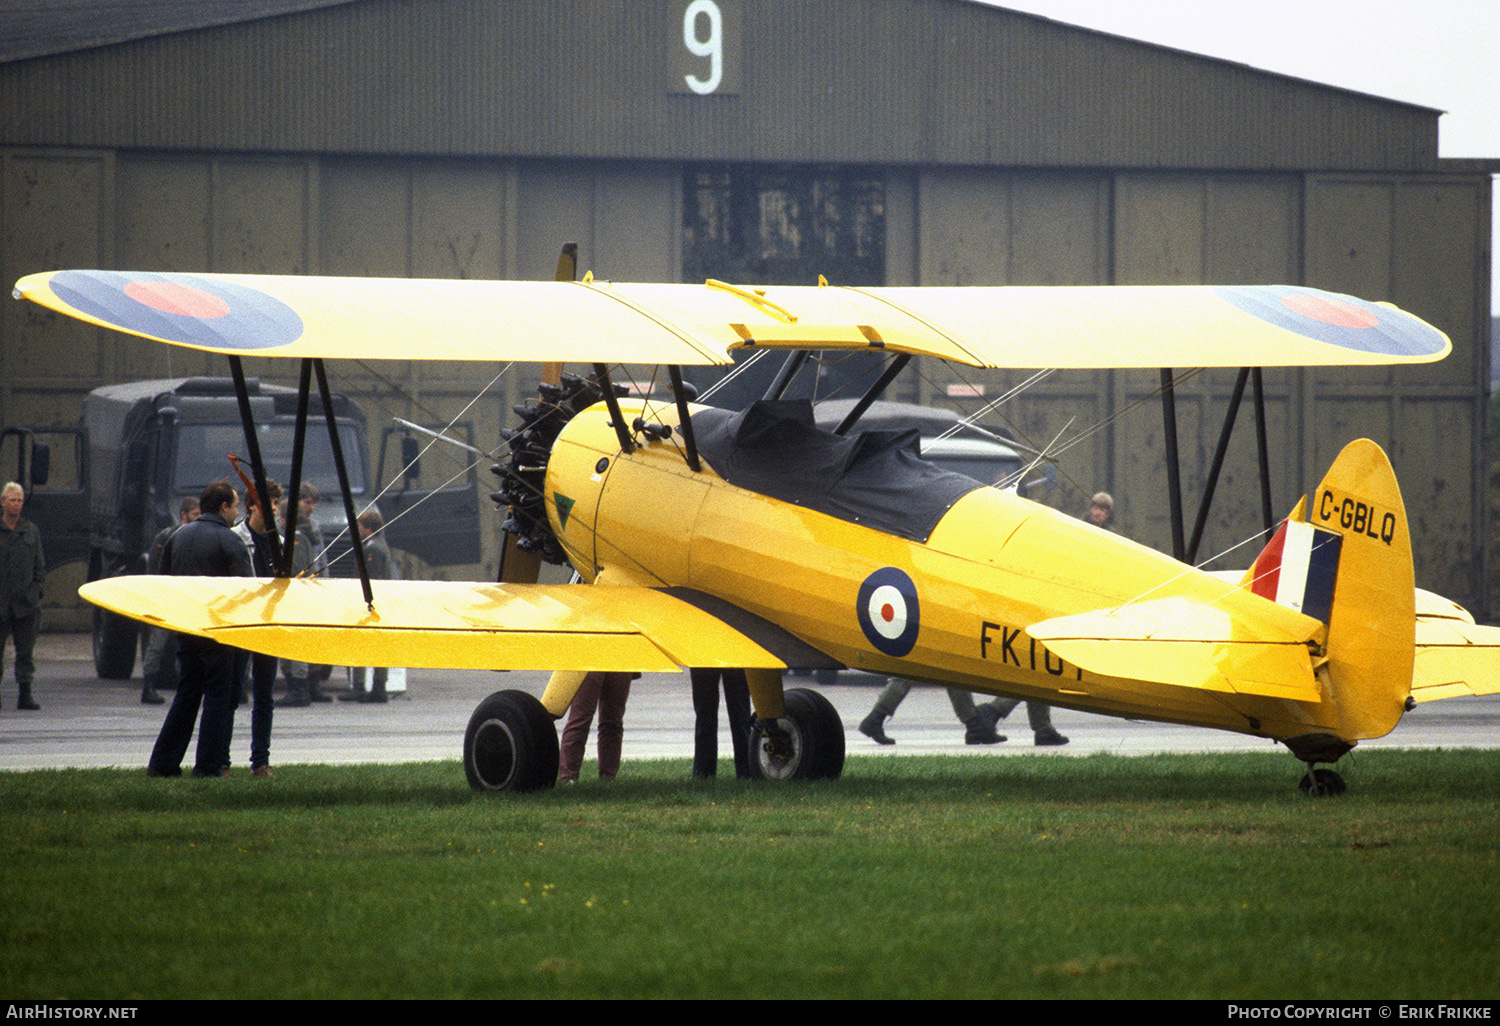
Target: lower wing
(459, 625)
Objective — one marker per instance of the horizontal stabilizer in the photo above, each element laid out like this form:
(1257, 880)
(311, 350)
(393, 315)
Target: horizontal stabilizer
(984, 326)
(1184, 643)
(1455, 658)
(439, 623)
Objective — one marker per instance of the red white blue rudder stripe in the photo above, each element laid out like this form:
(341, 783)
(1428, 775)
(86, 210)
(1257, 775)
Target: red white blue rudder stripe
(1299, 568)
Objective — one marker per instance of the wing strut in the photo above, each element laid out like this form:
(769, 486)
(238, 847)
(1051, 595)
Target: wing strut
(680, 392)
(1222, 450)
(1174, 474)
(252, 446)
(617, 418)
(1218, 464)
(338, 461)
(1188, 552)
(789, 368)
(1267, 512)
(875, 391)
(299, 439)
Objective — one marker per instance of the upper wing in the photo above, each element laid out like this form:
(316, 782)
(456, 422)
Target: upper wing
(452, 624)
(403, 318)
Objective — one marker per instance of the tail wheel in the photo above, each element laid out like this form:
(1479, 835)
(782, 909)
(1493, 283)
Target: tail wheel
(511, 744)
(805, 744)
(1322, 783)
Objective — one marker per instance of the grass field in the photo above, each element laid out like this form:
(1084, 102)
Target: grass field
(1205, 876)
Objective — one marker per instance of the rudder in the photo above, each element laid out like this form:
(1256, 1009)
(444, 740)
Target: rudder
(1345, 555)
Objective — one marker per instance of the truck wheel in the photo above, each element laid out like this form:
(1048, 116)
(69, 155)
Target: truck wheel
(114, 645)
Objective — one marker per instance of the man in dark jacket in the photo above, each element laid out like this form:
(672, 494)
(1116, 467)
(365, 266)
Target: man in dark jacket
(207, 547)
(22, 568)
(159, 659)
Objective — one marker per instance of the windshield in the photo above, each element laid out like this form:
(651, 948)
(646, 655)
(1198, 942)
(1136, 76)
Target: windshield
(988, 470)
(201, 450)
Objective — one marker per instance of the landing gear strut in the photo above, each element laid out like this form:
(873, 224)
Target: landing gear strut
(1313, 748)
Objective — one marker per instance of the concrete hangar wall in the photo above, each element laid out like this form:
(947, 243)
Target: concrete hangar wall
(894, 141)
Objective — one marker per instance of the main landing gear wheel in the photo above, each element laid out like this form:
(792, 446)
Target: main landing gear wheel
(511, 744)
(805, 744)
(1322, 783)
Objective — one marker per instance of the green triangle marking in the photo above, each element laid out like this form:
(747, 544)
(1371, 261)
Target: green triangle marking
(564, 507)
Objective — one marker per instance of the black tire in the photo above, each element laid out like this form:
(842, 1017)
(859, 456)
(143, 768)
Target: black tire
(805, 744)
(511, 744)
(1322, 783)
(114, 645)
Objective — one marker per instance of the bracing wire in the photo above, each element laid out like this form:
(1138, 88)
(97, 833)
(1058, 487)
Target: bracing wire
(464, 470)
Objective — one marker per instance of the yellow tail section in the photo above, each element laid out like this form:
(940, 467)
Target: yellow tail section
(1372, 619)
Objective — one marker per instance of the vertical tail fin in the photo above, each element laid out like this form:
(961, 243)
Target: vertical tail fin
(1345, 558)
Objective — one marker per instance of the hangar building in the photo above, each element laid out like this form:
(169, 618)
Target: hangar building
(871, 141)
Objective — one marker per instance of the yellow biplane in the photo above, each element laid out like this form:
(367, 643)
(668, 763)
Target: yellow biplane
(757, 540)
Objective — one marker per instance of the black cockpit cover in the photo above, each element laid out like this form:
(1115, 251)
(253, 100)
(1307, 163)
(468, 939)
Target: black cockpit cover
(874, 478)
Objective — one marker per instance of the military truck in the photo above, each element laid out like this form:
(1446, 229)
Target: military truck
(140, 448)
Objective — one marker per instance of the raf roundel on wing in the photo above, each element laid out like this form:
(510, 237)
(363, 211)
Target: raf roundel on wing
(1344, 321)
(182, 308)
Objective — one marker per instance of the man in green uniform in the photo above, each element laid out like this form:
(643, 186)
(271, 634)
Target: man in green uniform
(22, 568)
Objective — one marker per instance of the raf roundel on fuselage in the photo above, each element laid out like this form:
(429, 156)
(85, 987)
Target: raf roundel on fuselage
(889, 611)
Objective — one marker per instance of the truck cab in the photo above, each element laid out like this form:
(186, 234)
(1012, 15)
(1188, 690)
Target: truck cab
(144, 446)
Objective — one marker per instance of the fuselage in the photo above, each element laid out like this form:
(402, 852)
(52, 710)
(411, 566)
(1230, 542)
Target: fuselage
(952, 609)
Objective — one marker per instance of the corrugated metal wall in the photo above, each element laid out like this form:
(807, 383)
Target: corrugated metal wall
(886, 81)
(1419, 241)
(1013, 150)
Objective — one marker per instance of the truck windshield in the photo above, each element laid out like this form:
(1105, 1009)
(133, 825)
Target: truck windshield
(201, 450)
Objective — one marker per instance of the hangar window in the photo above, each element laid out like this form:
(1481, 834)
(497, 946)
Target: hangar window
(783, 225)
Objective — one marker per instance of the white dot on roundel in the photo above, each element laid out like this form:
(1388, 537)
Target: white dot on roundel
(887, 611)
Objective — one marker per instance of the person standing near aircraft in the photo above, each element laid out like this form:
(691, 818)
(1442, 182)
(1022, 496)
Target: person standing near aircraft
(300, 685)
(312, 534)
(307, 501)
(1038, 714)
(608, 693)
(381, 567)
(706, 717)
(979, 721)
(207, 547)
(160, 658)
(22, 568)
(262, 667)
(1101, 513)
